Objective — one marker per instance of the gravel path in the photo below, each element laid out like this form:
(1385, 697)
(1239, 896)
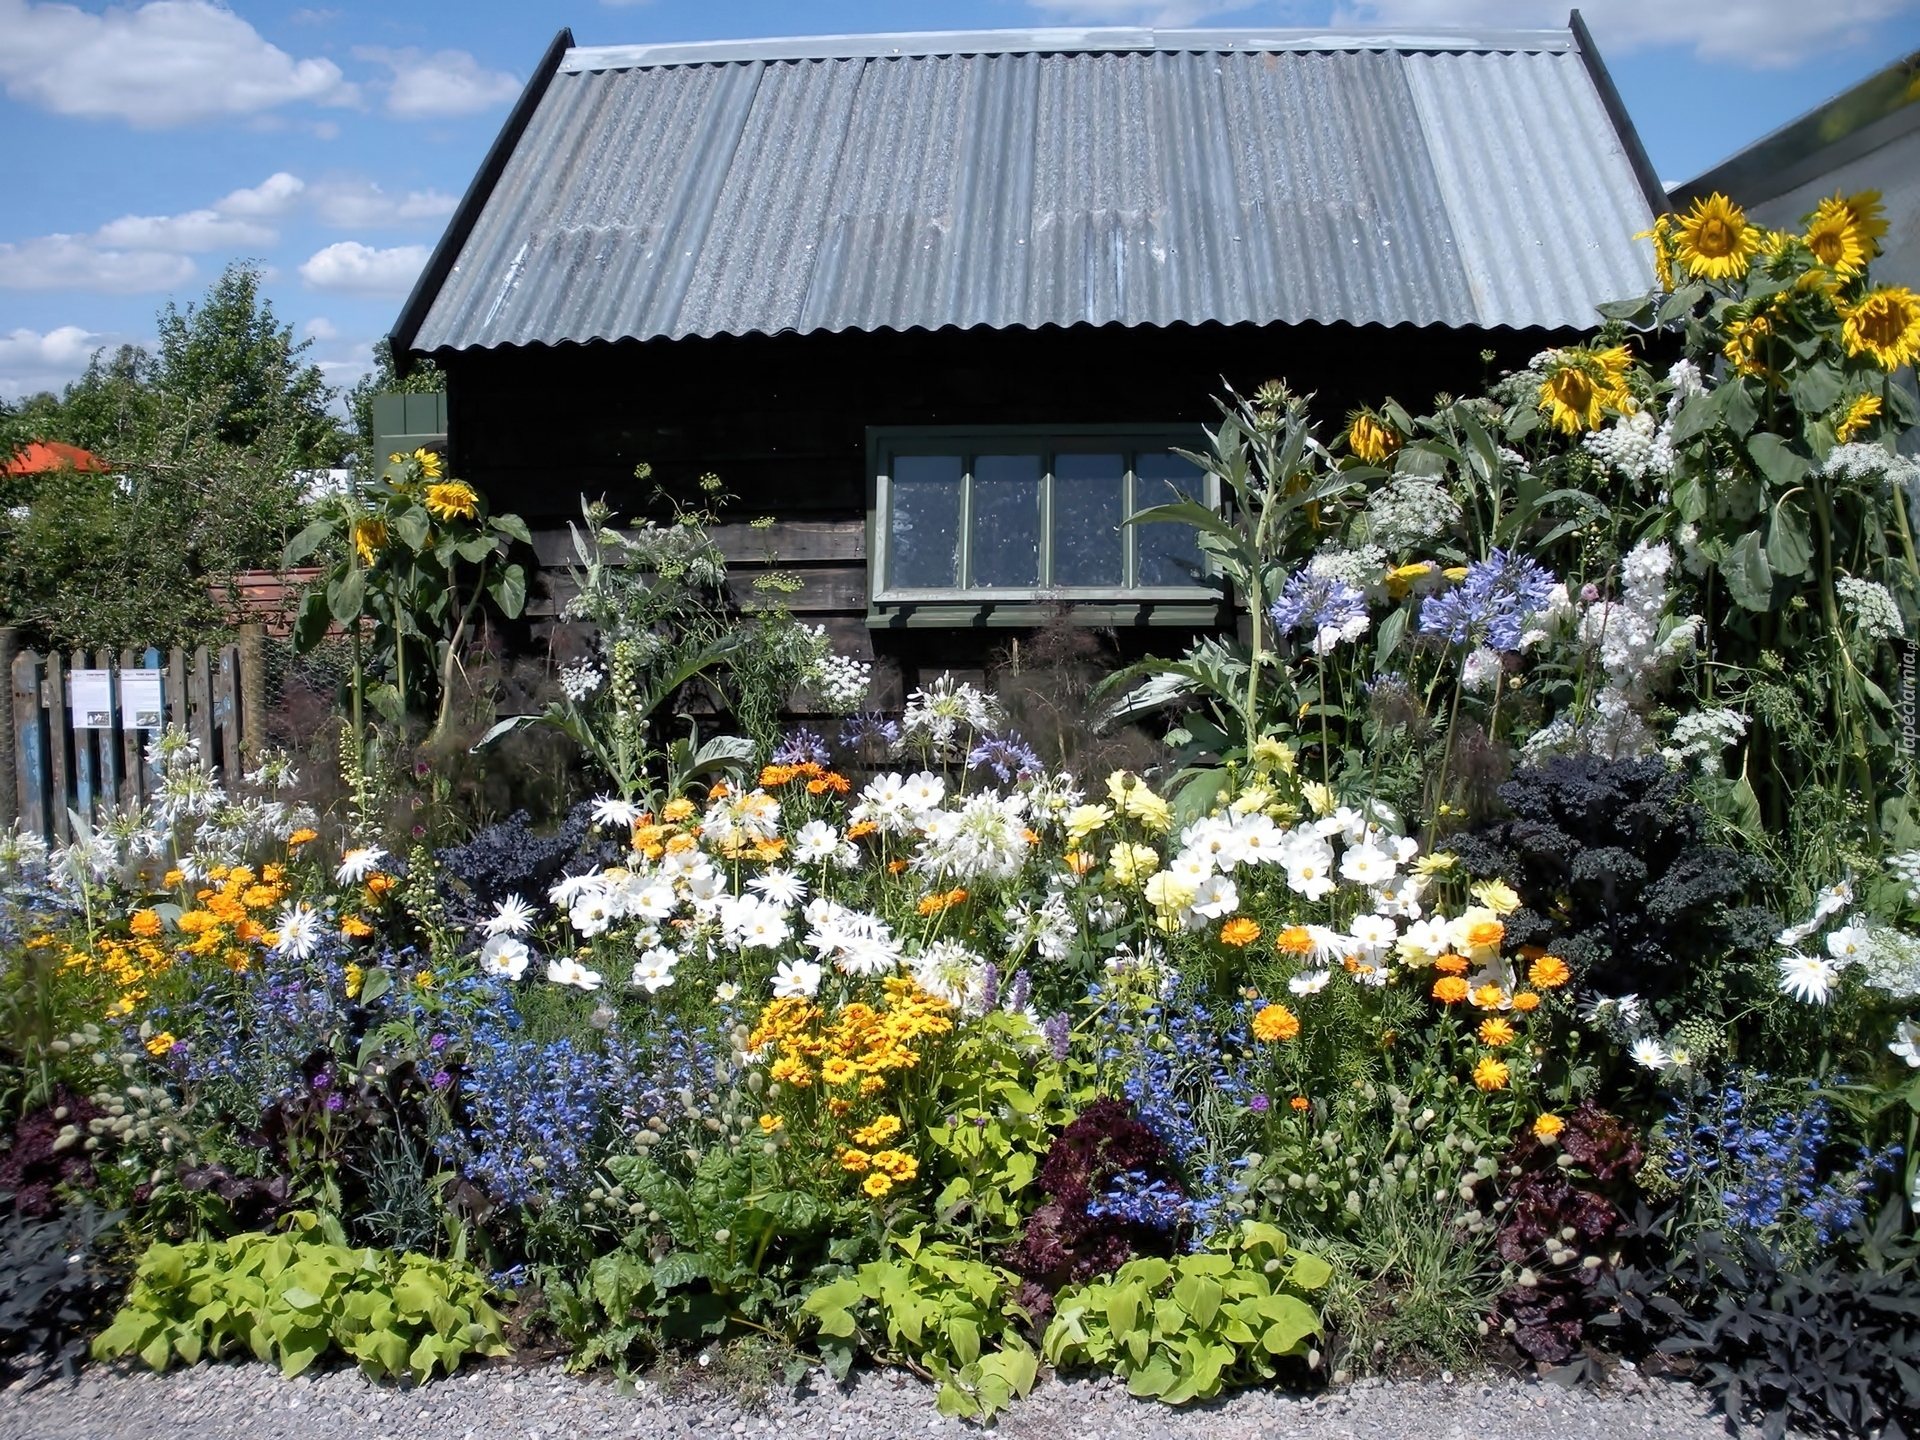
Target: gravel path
(253, 1401)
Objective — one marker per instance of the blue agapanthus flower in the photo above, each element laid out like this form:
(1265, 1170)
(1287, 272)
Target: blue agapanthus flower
(1009, 757)
(870, 725)
(1331, 608)
(802, 747)
(1491, 605)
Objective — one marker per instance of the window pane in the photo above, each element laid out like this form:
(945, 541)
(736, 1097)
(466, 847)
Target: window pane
(1169, 554)
(1089, 497)
(923, 549)
(1006, 520)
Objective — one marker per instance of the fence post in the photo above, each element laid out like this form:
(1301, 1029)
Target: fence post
(200, 706)
(9, 733)
(108, 740)
(59, 726)
(132, 792)
(253, 689)
(30, 738)
(85, 782)
(226, 713)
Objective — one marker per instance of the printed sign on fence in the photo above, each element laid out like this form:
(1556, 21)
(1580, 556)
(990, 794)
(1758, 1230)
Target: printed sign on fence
(90, 695)
(140, 699)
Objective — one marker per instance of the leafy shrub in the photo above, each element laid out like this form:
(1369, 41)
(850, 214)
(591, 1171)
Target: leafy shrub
(53, 1289)
(1183, 1329)
(1613, 876)
(293, 1296)
(952, 1319)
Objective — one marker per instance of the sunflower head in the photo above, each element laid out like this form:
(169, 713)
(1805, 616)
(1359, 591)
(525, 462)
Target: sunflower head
(1715, 241)
(1662, 237)
(452, 500)
(1582, 384)
(1834, 237)
(1372, 439)
(429, 463)
(369, 539)
(1746, 345)
(1869, 218)
(1885, 324)
(1861, 412)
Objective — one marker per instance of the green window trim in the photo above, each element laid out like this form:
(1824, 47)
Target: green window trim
(951, 461)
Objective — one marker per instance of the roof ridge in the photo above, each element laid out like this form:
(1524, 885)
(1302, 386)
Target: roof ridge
(1062, 40)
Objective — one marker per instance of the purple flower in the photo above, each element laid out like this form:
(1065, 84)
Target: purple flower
(802, 747)
(872, 726)
(441, 1079)
(1010, 758)
(1259, 1104)
(1332, 609)
(336, 1101)
(322, 1080)
(1022, 986)
(990, 986)
(1059, 1033)
(1490, 606)
(437, 1044)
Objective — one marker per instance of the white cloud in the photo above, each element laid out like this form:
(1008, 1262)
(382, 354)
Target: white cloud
(31, 362)
(1167, 13)
(447, 82)
(74, 262)
(272, 196)
(169, 62)
(355, 204)
(320, 328)
(194, 232)
(350, 268)
(1771, 34)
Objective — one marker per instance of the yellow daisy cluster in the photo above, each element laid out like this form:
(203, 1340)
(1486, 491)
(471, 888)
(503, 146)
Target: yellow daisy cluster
(126, 966)
(819, 779)
(226, 921)
(670, 834)
(848, 1060)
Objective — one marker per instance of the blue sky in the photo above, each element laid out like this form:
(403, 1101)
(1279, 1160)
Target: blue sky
(148, 144)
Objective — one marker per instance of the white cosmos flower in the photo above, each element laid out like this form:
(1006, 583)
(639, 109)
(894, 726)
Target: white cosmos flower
(1329, 944)
(1849, 944)
(504, 956)
(512, 916)
(1906, 1042)
(1807, 977)
(817, 840)
(705, 885)
(358, 863)
(923, 792)
(1650, 1054)
(298, 929)
(1399, 895)
(1309, 862)
(570, 971)
(591, 914)
(611, 810)
(1428, 939)
(653, 971)
(1366, 865)
(1216, 839)
(1259, 840)
(796, 980)
(725, 993)
(1190, 867)
(572, 887)
(1833, 899)
(779, 887)
(1216, 897)
(654, 900)
(1310, 982)
(1376, 933)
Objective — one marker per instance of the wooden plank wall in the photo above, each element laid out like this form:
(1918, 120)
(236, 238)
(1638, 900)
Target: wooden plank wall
(53, 768)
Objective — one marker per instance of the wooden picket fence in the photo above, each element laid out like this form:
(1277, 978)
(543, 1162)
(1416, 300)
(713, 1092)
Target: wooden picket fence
(216, 695)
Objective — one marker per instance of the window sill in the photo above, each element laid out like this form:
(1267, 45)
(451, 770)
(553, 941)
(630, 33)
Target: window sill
(1193, 612)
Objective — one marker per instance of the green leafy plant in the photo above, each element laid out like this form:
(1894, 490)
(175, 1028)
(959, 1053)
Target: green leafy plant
(1184, 1329)
(948, 1318)
(291, 1297)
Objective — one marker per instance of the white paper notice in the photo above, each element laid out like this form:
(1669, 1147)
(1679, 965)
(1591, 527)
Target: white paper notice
(140, 699)
(90, 695)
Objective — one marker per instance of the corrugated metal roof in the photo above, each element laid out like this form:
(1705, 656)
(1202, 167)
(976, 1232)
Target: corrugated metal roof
(1188, 177)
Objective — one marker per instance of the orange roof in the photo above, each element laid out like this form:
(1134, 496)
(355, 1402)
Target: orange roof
(45, 455)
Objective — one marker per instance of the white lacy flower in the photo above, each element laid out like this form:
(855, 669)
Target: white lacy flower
(357, 864)
(839, 683)
(936, 716)
(577, 682)
(1874, 610)
(512, 916)
(1702, 736)
(1807, 977)
(949, 970)
(504, 956)
(653, 972)
(569, 971)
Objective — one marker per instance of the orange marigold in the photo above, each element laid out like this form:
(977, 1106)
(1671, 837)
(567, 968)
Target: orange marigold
(1525, 1000)
(1451, 964)
(1450, 989)
(302, 836)
(1491, 1074)
(355, 928)
(145, 923)
(1300, 1102)
(1295, 940)
(1489, 997)
(1548, 1126)
(1239, 932)
(1496, 1032)
(1549, 972)
(1275, 1022)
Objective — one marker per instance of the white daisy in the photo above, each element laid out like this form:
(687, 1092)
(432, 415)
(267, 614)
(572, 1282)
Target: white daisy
(1310, 982)
(572, 887)
(1650, 1054)
(725, 993)
(1366, 865)
(1807, 977)
(512, 916)
(298, 930)
(796, 980)
(1849, 944)
(358, 863)
(1906, 1042)
(1216, 897)
(591, 914)
(504, 956)
(817, 840)
(654, 900)
(570, 971)
(653, 971)
(611, 810)
(779, 887)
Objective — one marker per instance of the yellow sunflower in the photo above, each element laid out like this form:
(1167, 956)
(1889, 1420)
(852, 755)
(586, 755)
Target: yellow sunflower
(1862, 412)
(1716, 242)
(1581, 385)
(454, 500)
(429, 463)
(1885, 324)
(1372, 439)
(1662, 236)
(369, 539)
(1833, 235)
(1869, 218)
(1744, 347)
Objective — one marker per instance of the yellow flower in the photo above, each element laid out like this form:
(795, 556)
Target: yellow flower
(1150, 809)
(1549, 972)
(1716, 242)
(770, 1123)
(1745, 339)
(1489, 997)
(1167, 891)
(1275, 1022)
(1491, 1074)
(896, 1165)
(1083, 820)
(1548, 1126)
(1833, 235)
(356, 977)
(174, 879)
(674, 811)
(1402, 578)
(855, 1162)
(354, 928)
(1495, 1032)
(1582, 384)
(1450, 989)
(1525, 1000)
(454, 500)
(302, 836)
(879, 1132)
(1497, 896)
(1320, 798)
(1434, 864)
(1239, 932)
(161, 1043)
(1372, 439)
(1272, 754)
(145, 923)
(1885, 324)
(1133, 863)
(429, 463)
(876, 1185)
(1862, 412)
(1662, 236)
(369, 539)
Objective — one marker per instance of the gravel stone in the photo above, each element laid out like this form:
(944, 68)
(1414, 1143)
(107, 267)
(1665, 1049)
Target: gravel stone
(505, 1402)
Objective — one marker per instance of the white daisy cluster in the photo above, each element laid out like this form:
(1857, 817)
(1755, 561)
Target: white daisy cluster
(1633, 446)
(1871, 605)
(1703, 736)
(1410, 510)
(985, 838)
(943, 719)
(840, 683)
(1809, 976)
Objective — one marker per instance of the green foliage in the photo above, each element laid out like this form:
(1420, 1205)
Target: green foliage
(949, 1317)
(1184, 1329)
(53, 1287)
(293, 1296)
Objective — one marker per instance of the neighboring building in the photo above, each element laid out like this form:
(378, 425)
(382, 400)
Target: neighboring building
(44, 457)
(943, 305)
(1865, 139)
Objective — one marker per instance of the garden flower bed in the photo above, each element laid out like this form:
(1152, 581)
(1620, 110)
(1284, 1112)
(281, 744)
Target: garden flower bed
(1507, 956)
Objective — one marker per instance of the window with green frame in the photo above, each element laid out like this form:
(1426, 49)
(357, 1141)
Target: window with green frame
(1025, 513)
